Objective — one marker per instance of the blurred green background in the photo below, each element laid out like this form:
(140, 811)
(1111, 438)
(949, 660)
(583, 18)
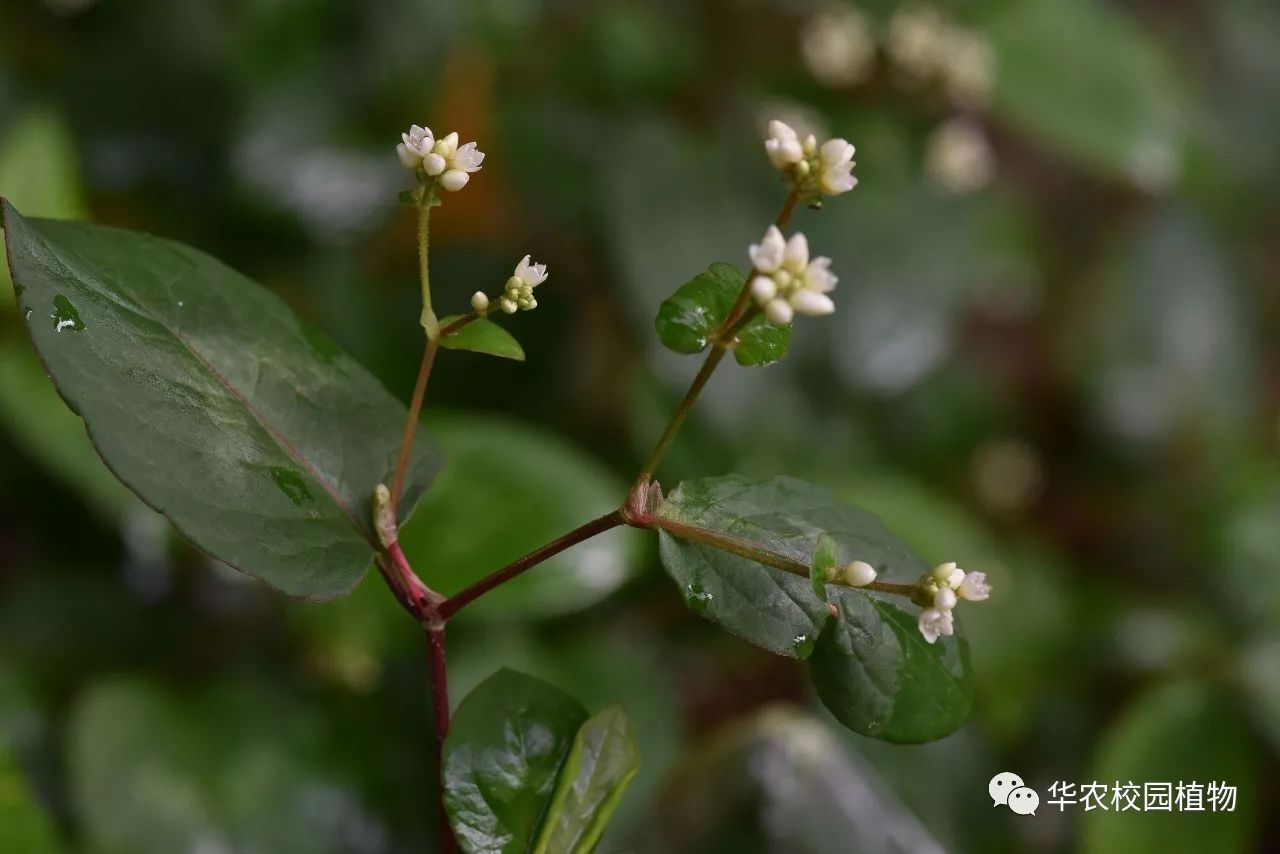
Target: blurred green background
(1055, 359)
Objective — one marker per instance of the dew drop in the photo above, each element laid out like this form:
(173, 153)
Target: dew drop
(65, 315)
(802, 645)
(698, 599)
(292, 485)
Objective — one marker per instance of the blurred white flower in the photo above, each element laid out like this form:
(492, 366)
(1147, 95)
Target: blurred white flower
(934, 623)
(811, 169)
(959, 158)
(969, 67)
(519, 289)
(974, 587)
(926, 47)
(838, 46)
(786, 281)
(917, 41)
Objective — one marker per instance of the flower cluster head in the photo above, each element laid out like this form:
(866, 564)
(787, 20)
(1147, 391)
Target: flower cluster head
(811, 169)
(925, 46)
(786, 281)
(519, 289)
(940, 591)
(442, 159)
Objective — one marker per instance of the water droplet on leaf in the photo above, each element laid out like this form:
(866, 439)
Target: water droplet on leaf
(803, 645)
(698, 599)
(65, 315)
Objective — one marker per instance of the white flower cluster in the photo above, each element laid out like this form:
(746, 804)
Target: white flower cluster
(838, 45)
(786, 281)
(925, 46)
(943, 589)
(442, 159)
(811, 169)
(519, 289)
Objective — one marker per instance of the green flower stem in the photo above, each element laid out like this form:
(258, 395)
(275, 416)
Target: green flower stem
(723, 340)
(411, 423)
(759, 554)
(429, 322)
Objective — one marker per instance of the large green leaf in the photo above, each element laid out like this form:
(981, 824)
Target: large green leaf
(502, 759)
(482, 336)
(1178, 733)
(689, 317)
(878, 676)
(24, 827)
(598, 770)
(251, 431)
(771, 608)
(1086, 80)
(509, 488)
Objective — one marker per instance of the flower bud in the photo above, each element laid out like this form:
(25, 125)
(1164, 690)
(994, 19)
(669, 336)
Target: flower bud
(859, 574)
(479, 302)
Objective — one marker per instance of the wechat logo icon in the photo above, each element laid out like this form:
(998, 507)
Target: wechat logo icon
(1008, 789)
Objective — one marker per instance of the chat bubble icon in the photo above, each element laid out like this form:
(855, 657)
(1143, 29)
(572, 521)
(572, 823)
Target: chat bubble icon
(1001, 785)
(1024, 801)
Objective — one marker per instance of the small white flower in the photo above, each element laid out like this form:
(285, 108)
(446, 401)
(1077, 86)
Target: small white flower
(859, 573)
(787, 281)
(838, 46)
(811, 169)
(454, 180)
(934, 623)
(783, 146)
(969, 68)
(529, 273)
(944, 599)
(414, 146)
(433, 164)
(479, 302)
(974, 587)
(948, 574)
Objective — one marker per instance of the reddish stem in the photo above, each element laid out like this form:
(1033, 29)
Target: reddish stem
(446, 843)
(457, 602)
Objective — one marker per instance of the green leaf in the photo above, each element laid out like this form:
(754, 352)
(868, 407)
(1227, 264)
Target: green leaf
(877, 675)
(1181, 732)
(600, 766)
(826, 556)
(24, 826)
(508, 489)
(38, 170)
(482, 336)
(502, 759)
(254, 433)
(1085, 79)
(689, 317)
(771, 608)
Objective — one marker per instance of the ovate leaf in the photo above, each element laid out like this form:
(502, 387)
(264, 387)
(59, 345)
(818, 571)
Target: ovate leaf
(689, 317)
(482, 336)
(597, 772)
(254, 433)
(769, 607)
(877, 675)
(502, 760)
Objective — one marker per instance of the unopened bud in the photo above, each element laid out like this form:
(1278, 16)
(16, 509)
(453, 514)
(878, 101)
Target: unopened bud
(859, 574)
(479, 302)
(384, 520)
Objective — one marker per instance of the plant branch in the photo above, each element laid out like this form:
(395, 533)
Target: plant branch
(755, 552)
(457, 602)
(722, 340)
(411, 423)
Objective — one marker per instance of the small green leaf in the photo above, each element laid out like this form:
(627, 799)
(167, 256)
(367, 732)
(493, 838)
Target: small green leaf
(826, 556)
(1182, 732)
(876, 673)
(502, 759)
(508, 489)
(600, 766)
(687, 319)
(771, 608)
(482, 336)
(251, 431)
